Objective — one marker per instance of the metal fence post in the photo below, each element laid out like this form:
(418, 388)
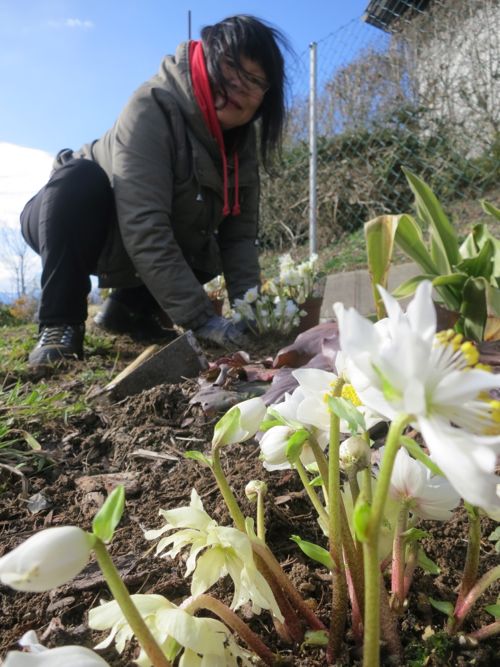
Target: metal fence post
(313, 152)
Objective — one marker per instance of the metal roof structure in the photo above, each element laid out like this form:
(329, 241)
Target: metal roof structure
(384, 13)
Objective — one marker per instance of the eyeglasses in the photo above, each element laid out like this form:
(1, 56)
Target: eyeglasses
(251, 83)
(254, 84)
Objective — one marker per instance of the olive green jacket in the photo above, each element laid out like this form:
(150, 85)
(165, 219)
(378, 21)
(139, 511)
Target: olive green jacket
(166, 172)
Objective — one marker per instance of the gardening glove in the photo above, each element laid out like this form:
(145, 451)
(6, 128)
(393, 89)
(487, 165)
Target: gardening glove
(221, 332)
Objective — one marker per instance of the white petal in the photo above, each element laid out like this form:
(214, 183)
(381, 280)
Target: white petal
(421, 312)
(63, 656)
(201, 635)
(453, 451)
(46, 560)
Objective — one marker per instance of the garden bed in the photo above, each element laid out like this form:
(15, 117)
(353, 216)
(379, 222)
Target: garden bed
(141, 442)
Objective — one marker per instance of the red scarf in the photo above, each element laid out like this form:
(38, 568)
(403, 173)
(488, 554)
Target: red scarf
(204, 98)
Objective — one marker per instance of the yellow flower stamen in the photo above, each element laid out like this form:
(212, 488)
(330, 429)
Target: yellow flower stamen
(495, 411)
(349, 393)
(470, 353)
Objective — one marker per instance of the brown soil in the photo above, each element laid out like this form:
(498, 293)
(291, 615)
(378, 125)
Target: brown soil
(119, 440)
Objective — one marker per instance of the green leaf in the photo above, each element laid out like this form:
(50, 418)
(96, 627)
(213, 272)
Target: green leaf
(481, 264)
(108, 517)
(494, 610)
(294, 444)
(408, 287)
(442, 606)
(418, 453)
(198, 456)
(438, 254)
(226, 426)
(379, 237)
(426, 563)
(344, 409)
(414, 534)
(315, 638)
(474, 308)
(361, 518)
(409, 238)
(490, 209)
(451, 279)
(495, 537)
(31, 441)
(431, 211)
(269, 423)
(314, 551)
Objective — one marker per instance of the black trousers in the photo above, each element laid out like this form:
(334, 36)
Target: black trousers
(66, 223)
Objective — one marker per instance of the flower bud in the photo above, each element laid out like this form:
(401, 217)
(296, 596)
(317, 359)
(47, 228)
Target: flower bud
(354, 454)
(47, 559)
(240, 422)
(254, 488)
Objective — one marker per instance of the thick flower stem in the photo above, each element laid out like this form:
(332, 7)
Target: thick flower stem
(398, 562)
(371, 649)
(485, 632)
(225, 489)
(411, 565)
(339, 582)
(313, 496)
(472, 596)
(261, 516)
(291, 630)
(469, 576)
(232, 621)
(272, 569)
(130, 611)
(293, 595)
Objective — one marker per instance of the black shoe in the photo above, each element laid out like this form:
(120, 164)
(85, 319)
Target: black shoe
(57, 342)
(118, 318)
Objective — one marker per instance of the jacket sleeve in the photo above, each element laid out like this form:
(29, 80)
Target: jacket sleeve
(238, 244)
(143, 181)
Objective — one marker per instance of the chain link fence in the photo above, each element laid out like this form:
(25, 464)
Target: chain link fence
(413, 84)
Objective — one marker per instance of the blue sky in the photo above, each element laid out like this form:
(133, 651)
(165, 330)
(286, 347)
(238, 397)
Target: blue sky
(68, 66)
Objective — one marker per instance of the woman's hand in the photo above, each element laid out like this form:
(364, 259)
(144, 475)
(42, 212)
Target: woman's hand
(221, 332)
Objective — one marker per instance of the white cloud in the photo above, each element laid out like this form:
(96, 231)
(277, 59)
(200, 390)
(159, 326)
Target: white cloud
(78, 23)
(84, 24)
(23, 171)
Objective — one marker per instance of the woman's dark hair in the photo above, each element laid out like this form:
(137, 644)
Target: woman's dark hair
(251, 38)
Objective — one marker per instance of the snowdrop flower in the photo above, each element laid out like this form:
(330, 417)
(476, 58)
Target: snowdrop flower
(40, 656)
(226, 550)
(240, 423)
(426, 495)
(47, 559)
(400, 365)
(205, 640)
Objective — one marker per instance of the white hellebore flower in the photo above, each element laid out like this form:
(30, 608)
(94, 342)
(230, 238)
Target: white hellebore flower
(240, 422)
(251, 295)
(426, 495)
(401, 366)
(273, 443)
(317, 385)
(205, 637)
(40, 656)
(273, 447)
(227, 550)
(47, 559)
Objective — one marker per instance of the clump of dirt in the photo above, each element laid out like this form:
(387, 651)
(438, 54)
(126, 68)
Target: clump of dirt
(141, 442)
